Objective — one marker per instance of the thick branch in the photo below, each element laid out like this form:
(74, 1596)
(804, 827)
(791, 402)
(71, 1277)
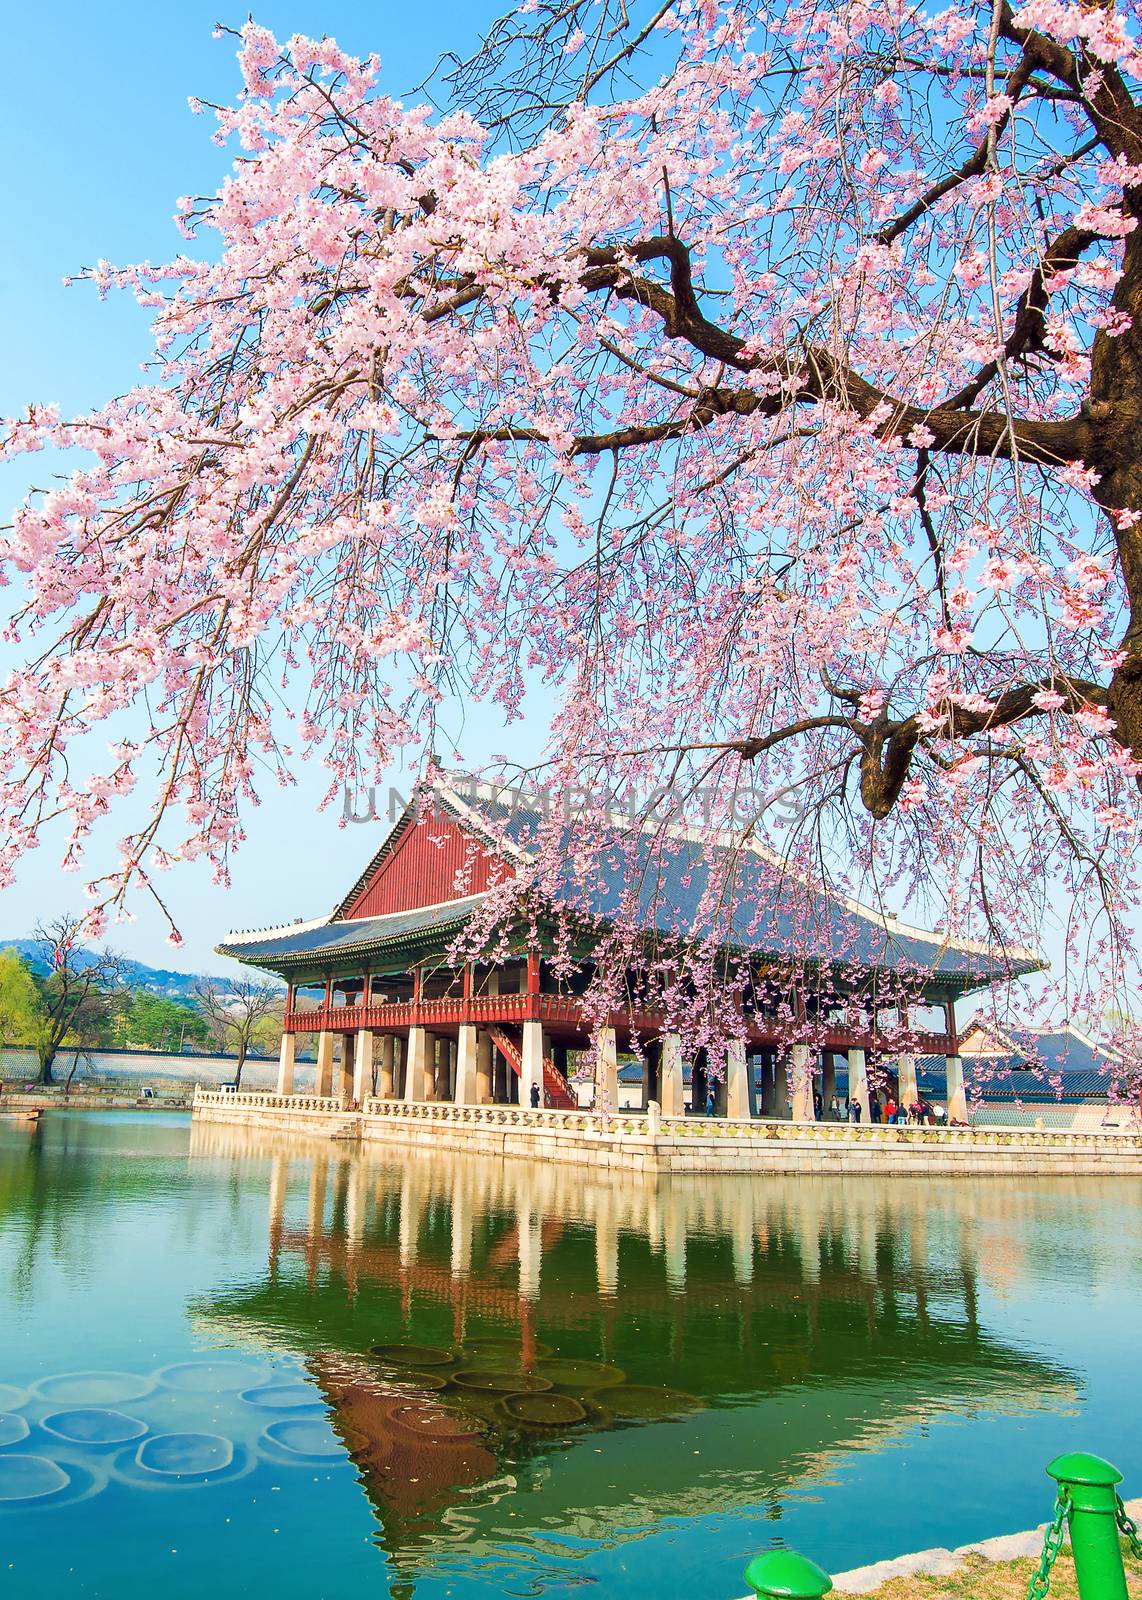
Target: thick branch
(1026, 335)
(888, 746)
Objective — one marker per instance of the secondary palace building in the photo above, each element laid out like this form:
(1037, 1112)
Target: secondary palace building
(398, 1018)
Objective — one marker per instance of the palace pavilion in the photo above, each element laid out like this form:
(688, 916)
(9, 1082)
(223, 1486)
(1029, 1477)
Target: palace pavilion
(398, 1016)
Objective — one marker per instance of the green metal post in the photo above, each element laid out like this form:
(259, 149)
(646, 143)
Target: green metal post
(1089, 1482)
(785, 1575)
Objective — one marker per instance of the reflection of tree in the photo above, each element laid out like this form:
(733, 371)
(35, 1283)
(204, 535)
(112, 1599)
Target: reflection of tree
(779, 1300)
(61, 1186)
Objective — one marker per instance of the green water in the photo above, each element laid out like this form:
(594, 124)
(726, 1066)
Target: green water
(622, 1383)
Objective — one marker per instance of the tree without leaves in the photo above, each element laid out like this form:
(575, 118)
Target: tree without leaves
(768, 377)
(74, 993)
(236, 1014)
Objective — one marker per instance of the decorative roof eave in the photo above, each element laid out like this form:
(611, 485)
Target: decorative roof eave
(240, 936)
(325, 957)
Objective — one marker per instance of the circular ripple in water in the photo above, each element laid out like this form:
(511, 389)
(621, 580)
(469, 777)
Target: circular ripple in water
(12, 1429)
(308, 1438)
(94, 1425)
(93, 1388)
(30, 1478)
(282, 1396)
(211, 1377)
(185, 1455)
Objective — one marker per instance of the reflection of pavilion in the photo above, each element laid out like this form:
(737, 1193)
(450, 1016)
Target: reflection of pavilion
(830, 1315)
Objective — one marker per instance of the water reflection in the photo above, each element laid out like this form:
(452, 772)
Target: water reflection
(512, 1349)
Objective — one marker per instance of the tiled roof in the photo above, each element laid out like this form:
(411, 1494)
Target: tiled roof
(673, 870)
(346, 937)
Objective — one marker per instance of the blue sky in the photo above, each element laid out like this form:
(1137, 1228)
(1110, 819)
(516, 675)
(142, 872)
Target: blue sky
(99, 142)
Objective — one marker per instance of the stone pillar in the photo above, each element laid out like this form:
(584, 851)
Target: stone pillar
(386, 1083)
(323, 1073)
(737, 1081)
(908, 1091)
(485, 1052)
(531, 1068)
(670, 1086)
(467, 1093)
(803, 1108)
(417, 1066)
(858, 1082)
(363, 1066)
(828, 1083)
(957, 1099)
(607, 1071)
(286, 1058)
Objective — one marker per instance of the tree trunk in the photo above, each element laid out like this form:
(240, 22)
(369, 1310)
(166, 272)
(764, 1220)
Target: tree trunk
(46, 1062)
(71, 1074)
(240, 1065)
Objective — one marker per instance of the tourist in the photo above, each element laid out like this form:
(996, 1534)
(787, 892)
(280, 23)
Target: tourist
(890, 1110)
(535, 1097)
(854, 1110)
(834, 1110)
(710, 1101)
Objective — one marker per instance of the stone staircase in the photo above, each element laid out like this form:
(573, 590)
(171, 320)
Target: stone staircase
(557, 1091)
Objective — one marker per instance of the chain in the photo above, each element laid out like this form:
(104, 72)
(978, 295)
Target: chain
(1127, 1527)
(1052, 1543)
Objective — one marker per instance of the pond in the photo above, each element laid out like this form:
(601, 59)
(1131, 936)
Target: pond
(230, 1360)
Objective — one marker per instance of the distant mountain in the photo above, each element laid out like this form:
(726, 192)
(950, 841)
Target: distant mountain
(159, 980)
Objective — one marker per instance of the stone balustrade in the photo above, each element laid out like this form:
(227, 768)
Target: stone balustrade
(260, 1100)
(646, 1140)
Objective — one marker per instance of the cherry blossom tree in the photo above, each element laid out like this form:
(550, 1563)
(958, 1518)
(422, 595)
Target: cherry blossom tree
(765, 377)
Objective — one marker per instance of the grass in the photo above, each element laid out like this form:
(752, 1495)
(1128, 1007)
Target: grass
(980, 1579)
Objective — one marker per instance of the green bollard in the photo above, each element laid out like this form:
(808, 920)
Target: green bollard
(785, 1575)
(1089, 1482)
